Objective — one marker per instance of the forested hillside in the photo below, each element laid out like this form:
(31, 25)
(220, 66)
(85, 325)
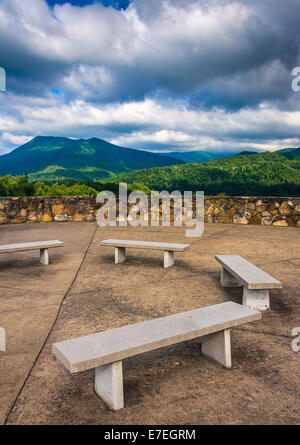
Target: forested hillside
(247, 174)
(58, 159)
(276, 173)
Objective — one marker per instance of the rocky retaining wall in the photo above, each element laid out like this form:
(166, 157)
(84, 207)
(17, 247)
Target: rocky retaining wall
(218, 209)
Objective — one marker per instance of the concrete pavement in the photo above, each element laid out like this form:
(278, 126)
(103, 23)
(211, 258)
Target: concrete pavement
(174, 385)
(31, 295)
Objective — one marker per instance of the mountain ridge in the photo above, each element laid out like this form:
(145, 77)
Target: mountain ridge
(198, 155)
(58, 158)
(247, 174)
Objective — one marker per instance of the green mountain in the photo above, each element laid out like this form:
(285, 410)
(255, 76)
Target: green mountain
(249, 174)
(197, 156)
(58, 158)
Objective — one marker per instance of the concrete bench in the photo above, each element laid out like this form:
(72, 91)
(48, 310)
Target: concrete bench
(43, 246)
(2, 340)
(236, 271)
(121, 245)
(105, 351)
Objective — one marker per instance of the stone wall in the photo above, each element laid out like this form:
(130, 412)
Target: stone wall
(253, 210)
(218, 209)
(14, 210)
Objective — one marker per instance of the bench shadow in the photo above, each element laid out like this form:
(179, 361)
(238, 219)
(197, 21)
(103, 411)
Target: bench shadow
(136, 260)
(133, 393)
(142, 373)
(34, 264)
(234, 294)
(277, 303)
(19, 258)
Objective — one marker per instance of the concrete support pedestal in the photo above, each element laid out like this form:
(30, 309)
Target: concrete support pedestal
(109, 384)
(168, 258)
(2, 340)
(229, 280)
(44, 257)
(257, 299)
(120, 255)
(217, 347)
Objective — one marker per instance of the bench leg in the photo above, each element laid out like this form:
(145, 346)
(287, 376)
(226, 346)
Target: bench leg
(44, 257)
(217, 346)
(120, 255)
(168, 258)
(109, 384)
(257, 299)
(229, 280)
(2, 340)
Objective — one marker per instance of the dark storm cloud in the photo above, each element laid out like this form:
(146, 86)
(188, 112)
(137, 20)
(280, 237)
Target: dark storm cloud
(181, 59)
(222, 48)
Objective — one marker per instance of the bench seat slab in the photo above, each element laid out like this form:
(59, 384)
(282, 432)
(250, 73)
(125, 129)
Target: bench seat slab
(167, 248)
(106, 350)
(36, 245)
(174, 247)
(236, 271)
(91, 351)
(42, 246)
(251, 276)
(217, 347)
(109, 385)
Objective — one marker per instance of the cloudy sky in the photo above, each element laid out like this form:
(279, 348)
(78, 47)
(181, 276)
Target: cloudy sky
(160, 75)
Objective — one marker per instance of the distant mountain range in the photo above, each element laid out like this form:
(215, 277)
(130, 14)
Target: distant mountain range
(58, 158)
(61, 159)
(198, 156)
(248, 173)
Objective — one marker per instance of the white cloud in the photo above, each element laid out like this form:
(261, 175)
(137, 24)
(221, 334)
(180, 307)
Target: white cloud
(15, 139)
(152, 125)
(179, 46)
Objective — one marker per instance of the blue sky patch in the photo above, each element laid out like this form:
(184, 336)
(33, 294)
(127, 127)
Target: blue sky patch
(117, 4)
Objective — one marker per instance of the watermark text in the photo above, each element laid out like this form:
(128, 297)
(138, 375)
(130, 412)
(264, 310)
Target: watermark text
(296, 340)
(137, 209)
(296, 80)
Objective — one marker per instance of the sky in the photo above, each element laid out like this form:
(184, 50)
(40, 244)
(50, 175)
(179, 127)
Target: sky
(158, 75)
